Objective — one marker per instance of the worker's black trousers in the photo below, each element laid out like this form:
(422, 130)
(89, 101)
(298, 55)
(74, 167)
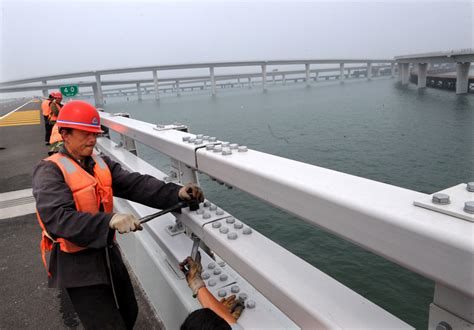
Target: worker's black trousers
(95, 305)
(47, 129)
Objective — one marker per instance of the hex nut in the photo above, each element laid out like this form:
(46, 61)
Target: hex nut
(226, 152)
(217, 149)
(223, 277)
(441, 199)
(206, 204)
(222, 293)
(247, 231)
(234, 146)
(216, 225)
(199, 136)
(211, 265)
(243, 296)
(250, 304)
(224, 230)
(209, 147)
(198, 141)
(217, 271)
(220, 212)
(205, 276)
(199, 211)
(186, 138)
(225, 144)
(212, 282)
(234, 289)
(212, 139)
(469, 207)
(470, 186)
(230, 220)
(243, 149)
(206, 215)
(232, 236)
(213, 207)
(238, 225)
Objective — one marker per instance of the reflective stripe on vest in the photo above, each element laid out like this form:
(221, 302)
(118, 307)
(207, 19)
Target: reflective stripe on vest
(45, 107)
(89, 193)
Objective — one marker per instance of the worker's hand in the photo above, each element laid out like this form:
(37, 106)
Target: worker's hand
(193, 271)
(235, 306)
(191, 191)
(125, 223)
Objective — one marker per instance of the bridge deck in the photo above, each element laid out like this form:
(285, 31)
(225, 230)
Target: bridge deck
(27, 302)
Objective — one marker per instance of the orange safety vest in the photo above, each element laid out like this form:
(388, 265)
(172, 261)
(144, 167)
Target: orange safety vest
(55, 136)
(52, 116)
(45, 107)
(88, 192)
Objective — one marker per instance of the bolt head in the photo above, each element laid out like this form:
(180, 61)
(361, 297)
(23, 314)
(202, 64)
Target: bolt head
(222, 293)
(238, 225)
(206, 215)
(243, 296)
(198, 141)
(199, 136)
(230, 220)
(205, 276)
(234, 288)
(217, 149)
(234, 145)
(186, 138)
(226, 151)
(217, 271)
(232, 236)
(212, 139)
(224, 230)
(225, 144)
(470, 186)
(243, 149)
(441, 199)
(216, 225)
(469, 207)
(223, 277)
(212, 282)
(247, 231)
(250, 304)
(212, 265)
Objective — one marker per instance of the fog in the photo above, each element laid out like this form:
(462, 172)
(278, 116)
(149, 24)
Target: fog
(43, 38)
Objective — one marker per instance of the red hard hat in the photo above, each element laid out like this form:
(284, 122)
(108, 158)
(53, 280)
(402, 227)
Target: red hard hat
(79, 115)
(57, 95)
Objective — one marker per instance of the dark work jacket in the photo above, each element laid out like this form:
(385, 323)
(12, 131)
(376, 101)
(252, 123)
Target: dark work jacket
(58, 212)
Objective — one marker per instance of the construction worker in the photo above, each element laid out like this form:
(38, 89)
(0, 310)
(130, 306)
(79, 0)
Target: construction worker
(55, 140)
(224, 313)
(46, 111)
(55, 106)
(74, 191)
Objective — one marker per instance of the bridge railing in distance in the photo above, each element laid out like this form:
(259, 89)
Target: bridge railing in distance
(377, 216)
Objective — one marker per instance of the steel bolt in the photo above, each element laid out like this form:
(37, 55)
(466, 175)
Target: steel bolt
(440, 198)
(224, 230)
(160, 126)
(213, 207)
(217, 271)
(206, 215)
(250, 304)
(243, 149)
(443, 326)
(198, 141)
(225, 144)
(234, 289)
(212, 282)
(243, 296)
(205, 137)
(232, 236)
(469, 207)
(247, 231)
(470, 186)
(186, 138)
(209, 147)
(199, 136)
(191, 140)
(205, 276)
(234, 145)
(221, 263)
(206, 204)
(226, 152)
(220, 212)
(212, 139)
(223, 277)
(222, 293)
(217, 148)
(211, 265)
(216, 225)
(199, 211)
(230, 220)
(238, 225)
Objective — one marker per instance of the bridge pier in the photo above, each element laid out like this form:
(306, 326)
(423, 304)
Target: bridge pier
(405, 73)
(369, 71)
(45, 91)
(139, 92)
(462, 77)
(213, 80)
(307, 74)
(264, 77)
(250, 82)
(155, 82)
(422, 70)
(316, 76)
(283, 78)
(99, 99)
(178, 91)
(392, 70)
(341, 72)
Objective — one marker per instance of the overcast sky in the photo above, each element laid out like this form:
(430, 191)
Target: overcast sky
(40, 38)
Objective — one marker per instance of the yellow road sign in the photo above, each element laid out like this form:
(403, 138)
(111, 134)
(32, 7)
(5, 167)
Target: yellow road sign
(17, 118)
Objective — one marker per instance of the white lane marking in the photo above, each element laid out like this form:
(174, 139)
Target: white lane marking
(18, 206)
(21, 106)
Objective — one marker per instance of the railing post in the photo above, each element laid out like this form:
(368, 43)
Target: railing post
(45, 90)
(213, 80)
(462, 77)
(264, 77)
(307, 74)
(127, 142)
(99, 100)
(155, 82)
(341, 72)
(422, 68)
(369, 71)
(139, 92)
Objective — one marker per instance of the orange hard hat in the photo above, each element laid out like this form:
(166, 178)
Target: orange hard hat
(79, 115)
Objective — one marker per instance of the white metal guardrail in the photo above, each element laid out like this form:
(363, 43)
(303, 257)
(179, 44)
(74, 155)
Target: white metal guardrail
(376, 216)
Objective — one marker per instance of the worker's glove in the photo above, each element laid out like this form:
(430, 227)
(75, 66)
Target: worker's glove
(124, 223)
(235, 306)
(191, 191)
(193, 271)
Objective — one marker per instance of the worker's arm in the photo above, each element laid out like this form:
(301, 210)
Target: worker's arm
(57, 210)
(142, 188)
(207, 300)
(54, 109)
